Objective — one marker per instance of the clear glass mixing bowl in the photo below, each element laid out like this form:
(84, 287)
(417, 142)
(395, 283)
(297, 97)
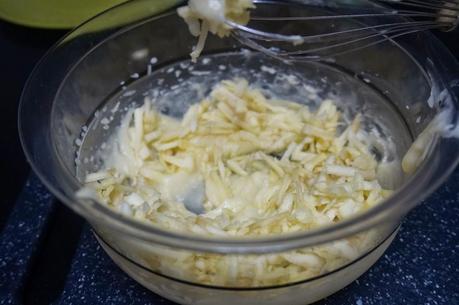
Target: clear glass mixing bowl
(108, 60)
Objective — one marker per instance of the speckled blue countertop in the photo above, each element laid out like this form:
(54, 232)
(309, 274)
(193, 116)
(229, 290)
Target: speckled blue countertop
(420, 267)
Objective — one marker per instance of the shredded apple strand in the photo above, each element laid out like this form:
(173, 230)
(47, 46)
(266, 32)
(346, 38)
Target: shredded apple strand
(203, 16)
(252, 157)
(256, 166)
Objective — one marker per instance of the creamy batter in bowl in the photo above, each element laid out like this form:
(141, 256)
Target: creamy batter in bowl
(82, 89)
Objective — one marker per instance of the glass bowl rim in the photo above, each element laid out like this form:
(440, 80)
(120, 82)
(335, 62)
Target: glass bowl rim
(393, 208)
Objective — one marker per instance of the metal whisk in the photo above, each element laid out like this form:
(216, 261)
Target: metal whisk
(314, 29)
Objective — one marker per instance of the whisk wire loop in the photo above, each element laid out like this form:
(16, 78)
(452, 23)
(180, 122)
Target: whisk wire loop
(356, 27)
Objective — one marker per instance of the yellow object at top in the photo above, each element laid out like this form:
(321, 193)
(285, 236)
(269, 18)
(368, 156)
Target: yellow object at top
(52, 14)
(66, 14)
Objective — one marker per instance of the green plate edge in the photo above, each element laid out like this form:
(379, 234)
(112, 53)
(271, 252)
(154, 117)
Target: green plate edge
(63, 14)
